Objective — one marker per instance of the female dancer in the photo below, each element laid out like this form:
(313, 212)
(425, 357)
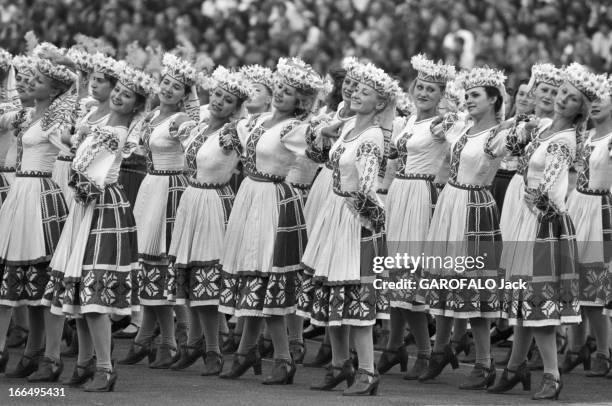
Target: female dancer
(266, 233)
(327, 133)
(590, 208)
(465, 223)
(200, 221)
(410, 203)
(34, 212)
(348, 233)
(550, 264)
(155, 211)
(96, 263)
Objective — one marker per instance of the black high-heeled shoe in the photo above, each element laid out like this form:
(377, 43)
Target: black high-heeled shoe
(282, 373)
(164, 357)
(481, 377)
(103, 381)
(336, 375)
(573, 359)
(389, 358)
(313, 331)
(507, 381)
(242, 362)
(266, 348)
(81, 374)
(550, 388)
(27, 365)
(323, 357)
(48, 371)
(137, 353)
(17, 337)
(297, 350)
(230, 343)
(418, 369)
(501, 335)
(438, 361)
(4, 359)
(189, 354)
(600, 366)
(213, 364)
(366, 384)
(463, 345)
(117, 325)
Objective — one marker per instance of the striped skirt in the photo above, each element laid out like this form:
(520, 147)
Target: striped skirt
(197, 245)
(155, 212)
(263, 246)
(31, 219)
(98, 246)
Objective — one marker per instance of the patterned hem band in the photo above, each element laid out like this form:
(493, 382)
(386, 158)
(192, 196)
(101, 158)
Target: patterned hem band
(301, 186)
(329, 166)
(468, 186)
(9, 169)
(594, 192)
(65, 158)
(32, 174)
(199, 185)
(342, 194)
(264, 177)
(164, 173)
(408, 176)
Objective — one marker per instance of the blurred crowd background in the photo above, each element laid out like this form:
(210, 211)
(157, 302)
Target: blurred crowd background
(508, 34)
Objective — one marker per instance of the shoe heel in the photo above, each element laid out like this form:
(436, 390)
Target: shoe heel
(290, 380)
(587, 363)
(526, 384)
(374, 391)
(404, 365)
(151, 356)
(454, 363)
(257, 369)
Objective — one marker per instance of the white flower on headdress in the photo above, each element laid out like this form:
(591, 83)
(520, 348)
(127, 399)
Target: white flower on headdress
(455, 93)
(546, 73)
(83, 60)
(136, 80)
(179, 69)
(299, 74)
(56, 72)
(259, 74)
(105, 65)
(591, 85)
(430, 71)
(484, 76)
(404, 104)
(24, 63)
(233, 82)
(377, 79)
(5, 59)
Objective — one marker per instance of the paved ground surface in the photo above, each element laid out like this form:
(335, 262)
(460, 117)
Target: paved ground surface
(139, 385)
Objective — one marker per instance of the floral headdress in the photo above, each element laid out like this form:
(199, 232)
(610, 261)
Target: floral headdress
(106, 65)
(24, 64)
(179, 69)
(5, 60)
(485, 77)
(56, 72)
(405, 104)
(350, 63)
(430, 71)
(545, 73)
(378, 80)
(298, 74)
(83, 60)
(233, 82)
(136, 80)
(257, 74)
(455, 93)
(591, 85)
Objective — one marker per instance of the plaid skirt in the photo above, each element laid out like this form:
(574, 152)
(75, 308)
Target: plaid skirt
(410, 206)
(108, 264)
(465, 225)
(197, 245)
(264, 242)
(155, 212)
(551, 276)
(25, 254)
(500, 185)
(132, 173)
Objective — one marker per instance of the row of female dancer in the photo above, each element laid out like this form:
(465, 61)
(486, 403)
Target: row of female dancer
(291, 243)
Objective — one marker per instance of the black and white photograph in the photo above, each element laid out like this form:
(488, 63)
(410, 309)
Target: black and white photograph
(305, 202)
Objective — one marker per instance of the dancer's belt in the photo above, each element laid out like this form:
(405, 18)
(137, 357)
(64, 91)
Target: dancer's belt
(468, 186)
(420, 176)
(264, 177)
(595, 192)
(33, 174)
